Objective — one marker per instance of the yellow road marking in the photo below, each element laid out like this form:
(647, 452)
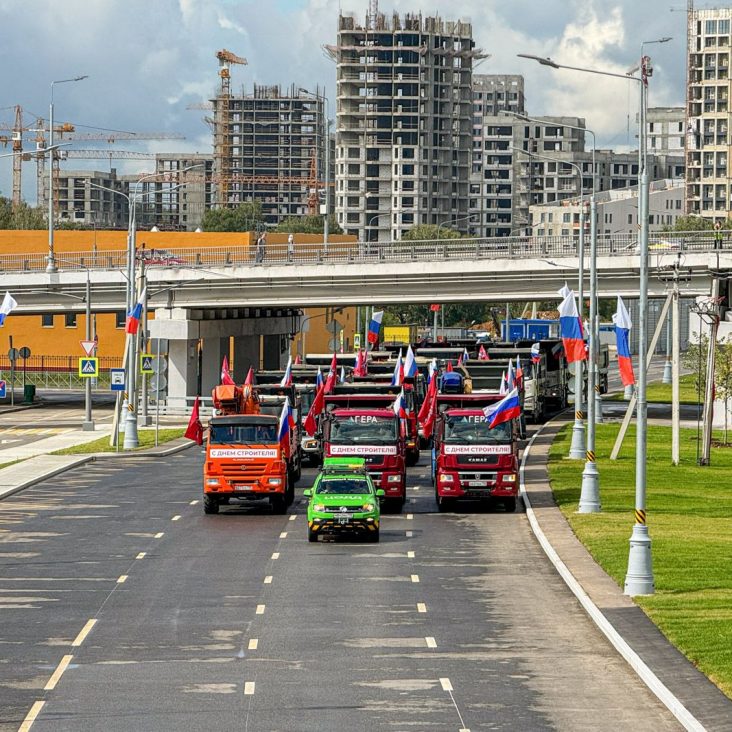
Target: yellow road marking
(84, 632)
(421, 607)
(35, 710)
(56, 675)
(248, 688)
(260, 609)
(253, 644)
(446, 685)
(122, 579)
(431, 642)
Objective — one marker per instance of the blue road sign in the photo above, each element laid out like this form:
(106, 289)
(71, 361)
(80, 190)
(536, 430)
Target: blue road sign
(117, 379)
(3, 389)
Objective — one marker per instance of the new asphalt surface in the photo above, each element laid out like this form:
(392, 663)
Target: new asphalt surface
(124, 607)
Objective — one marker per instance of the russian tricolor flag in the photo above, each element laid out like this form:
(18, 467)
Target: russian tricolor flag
(319, 379)
(287, 421)
(504, 411)
(134, 316)
(536, 353)
(623, 324)
(400, 405)
(287, 378)
(570, 326)
(8, 305)
(375, 326)
(410, 364)
(396, 377)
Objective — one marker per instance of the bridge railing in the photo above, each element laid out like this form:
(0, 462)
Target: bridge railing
(515, 247)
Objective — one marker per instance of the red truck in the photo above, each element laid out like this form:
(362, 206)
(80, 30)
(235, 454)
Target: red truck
(353, 426)
(470, 460)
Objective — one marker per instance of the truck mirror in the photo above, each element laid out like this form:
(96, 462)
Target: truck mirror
(307, 492)
(380, 493)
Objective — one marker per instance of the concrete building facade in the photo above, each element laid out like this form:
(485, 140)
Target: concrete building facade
(78, 201)
(665, 130)
(403, 123)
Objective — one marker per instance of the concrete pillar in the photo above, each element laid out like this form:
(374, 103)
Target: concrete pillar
(272, 351)
(214, 350)
(182, 362)
(246, 354)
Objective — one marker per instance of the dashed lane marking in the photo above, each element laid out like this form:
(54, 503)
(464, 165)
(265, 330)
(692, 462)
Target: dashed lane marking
(159, 535)
(56, 675)
(35, 710)
(253, 644)
(260, 609)
(283, 535)
(431, 642)
(248, 688)
(275, 555)
(293, 517)
(410, 555)
(141, 555)
(421, 607)
(193, 503)
(176, 518)
(410, 534)
(84, 632)
(268, 579)
(415, 578)
(415, 488)
(446, 685)
(122, 579)
(410, 516)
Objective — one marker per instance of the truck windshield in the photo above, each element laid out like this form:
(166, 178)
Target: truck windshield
(343, 487)
(243, 434)
(363, 429)
(306, 400)
(461, 429)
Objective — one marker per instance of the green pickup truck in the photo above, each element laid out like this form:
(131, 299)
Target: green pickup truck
(343, 500)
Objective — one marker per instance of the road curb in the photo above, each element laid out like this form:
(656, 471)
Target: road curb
(152, 452)
(4, 493)
(654, 684)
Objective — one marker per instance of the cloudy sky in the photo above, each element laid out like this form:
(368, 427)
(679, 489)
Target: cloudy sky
(147, 60)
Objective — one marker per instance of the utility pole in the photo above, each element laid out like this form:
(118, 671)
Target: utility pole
(711, 366)
(676, 371)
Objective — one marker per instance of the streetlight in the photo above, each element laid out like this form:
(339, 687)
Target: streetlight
(327, 161)
(578, 449)
(445, 224)
(639, 577)
(51, 266)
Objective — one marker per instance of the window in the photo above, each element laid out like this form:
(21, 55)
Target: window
(723, 28)
(120, 318)
(47, 320)
(710, 27)
(630, 218)
(566, 218)
(70, 320)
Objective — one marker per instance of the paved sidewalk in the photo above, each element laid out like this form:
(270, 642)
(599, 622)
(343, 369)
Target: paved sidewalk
(704, 700)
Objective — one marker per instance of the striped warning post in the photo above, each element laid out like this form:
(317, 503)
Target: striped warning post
(640, 516)
(590, 454)
(578, 415)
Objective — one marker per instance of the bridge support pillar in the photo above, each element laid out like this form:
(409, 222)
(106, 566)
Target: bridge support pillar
(182, 370)
(246, 354)
(272, 352)
(213, 352)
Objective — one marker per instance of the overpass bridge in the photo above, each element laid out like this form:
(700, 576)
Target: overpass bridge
(213, 294)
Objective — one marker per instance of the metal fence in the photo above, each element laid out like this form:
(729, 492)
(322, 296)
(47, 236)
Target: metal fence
(56, 372)
(515, 247)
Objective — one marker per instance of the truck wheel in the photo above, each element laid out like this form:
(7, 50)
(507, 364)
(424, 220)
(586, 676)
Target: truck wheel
(290, 490)
(373, 536)
(279, 504)
(210, 504)
(312, 536)
(509, 504)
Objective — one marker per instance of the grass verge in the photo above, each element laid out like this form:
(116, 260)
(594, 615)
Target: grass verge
(657, 391)
(690, 522)
(146, 438)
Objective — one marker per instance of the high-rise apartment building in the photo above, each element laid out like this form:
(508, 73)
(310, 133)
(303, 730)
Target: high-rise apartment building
(77, 199)
(665, 130)
(269, 146)
(403, 123)
(708, 184)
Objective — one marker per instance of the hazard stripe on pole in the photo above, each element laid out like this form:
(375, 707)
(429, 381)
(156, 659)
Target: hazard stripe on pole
(640, 516)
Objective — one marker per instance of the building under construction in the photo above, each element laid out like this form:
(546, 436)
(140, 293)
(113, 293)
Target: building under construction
(404, 123)
(269, 146)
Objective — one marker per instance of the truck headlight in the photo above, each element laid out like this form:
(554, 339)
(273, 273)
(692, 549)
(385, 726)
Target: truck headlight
(510, 478)
(274, 481)
(319, 508)
(446, 478)
(368, 507)
(394, 479)
(212, 481)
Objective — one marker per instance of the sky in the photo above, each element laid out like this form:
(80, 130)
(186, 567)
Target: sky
(148, 60)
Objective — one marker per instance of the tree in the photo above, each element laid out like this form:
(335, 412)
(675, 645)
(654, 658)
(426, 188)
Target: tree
(691, 223)
(723, 378)
(308, 225)
(244, 217)
(430, 232)
(20, 217)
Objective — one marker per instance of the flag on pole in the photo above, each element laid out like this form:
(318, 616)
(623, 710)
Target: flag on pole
(298, 360)
(226, 379)
(134, 316)
(503, 388)
(287, 378)
(410, 364)
(535, 353)
(510, 376)
(519, 372)
(570, 326)
(250, 377)
(319, 379)
(375, 326)
(9, 304)
(194, 431)
(332, 374)
(396, 375)
(342, 377)
(287, 421)
(448, 368)
(623, 324)
(504, 411)
(482, 353)
(400, 405)
(466, 355)
(310, 422)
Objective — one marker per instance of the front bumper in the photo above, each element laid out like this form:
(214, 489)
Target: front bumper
(479, 489)
(335, 524)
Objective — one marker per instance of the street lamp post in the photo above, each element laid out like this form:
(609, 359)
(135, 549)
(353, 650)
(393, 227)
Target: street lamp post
(51, 265)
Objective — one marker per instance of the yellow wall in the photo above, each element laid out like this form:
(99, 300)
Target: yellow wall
(318, 336)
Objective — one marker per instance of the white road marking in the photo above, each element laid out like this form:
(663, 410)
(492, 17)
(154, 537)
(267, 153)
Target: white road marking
(260, 609)
(141, 555)
(35, 710)
(431, 642)
(248, 688)
(159, 535)
(421, 607)
(410, 516)
(415, 578)
(56, 675)
(415, 488)
(122, 579)
(175, 518)
(268, 579)
(84, 632)
(283, 535)
(410, 555)
(293, 517)
(276, 555)
(410, 534)
(253, 644)
(446, 685)
(413, 500)
(193, 503)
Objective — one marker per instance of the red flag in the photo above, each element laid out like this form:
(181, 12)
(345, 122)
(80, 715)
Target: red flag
(435, 308)
(298, 360)
(429, 421)
(482, 353)
(426, 404)
(310, 423)
(331, 380)
(226, 379)
(194, 431)
(449, 366)
(250, 377)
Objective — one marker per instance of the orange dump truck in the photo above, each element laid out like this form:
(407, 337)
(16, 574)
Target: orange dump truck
(244, 458)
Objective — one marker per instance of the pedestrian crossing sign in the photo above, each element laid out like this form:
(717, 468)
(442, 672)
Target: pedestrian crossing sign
(89, 367)
(146, 363)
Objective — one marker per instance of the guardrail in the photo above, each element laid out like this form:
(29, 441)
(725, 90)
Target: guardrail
(514, 247)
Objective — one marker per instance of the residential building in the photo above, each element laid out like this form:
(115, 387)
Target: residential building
(665, 130)
(708, 184)
(403, 123)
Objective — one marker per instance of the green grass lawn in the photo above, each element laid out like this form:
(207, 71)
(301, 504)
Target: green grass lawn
(659, 392)
(690, 523)
(146, 438)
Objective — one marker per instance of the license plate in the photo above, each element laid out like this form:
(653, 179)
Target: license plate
(244, 487)
(343, 520)
(477, 483)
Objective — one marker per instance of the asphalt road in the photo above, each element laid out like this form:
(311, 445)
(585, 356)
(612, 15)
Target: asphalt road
(235, 622)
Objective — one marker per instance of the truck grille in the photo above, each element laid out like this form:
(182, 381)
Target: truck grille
(243, 473)
(490, 477)
(343, 509)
